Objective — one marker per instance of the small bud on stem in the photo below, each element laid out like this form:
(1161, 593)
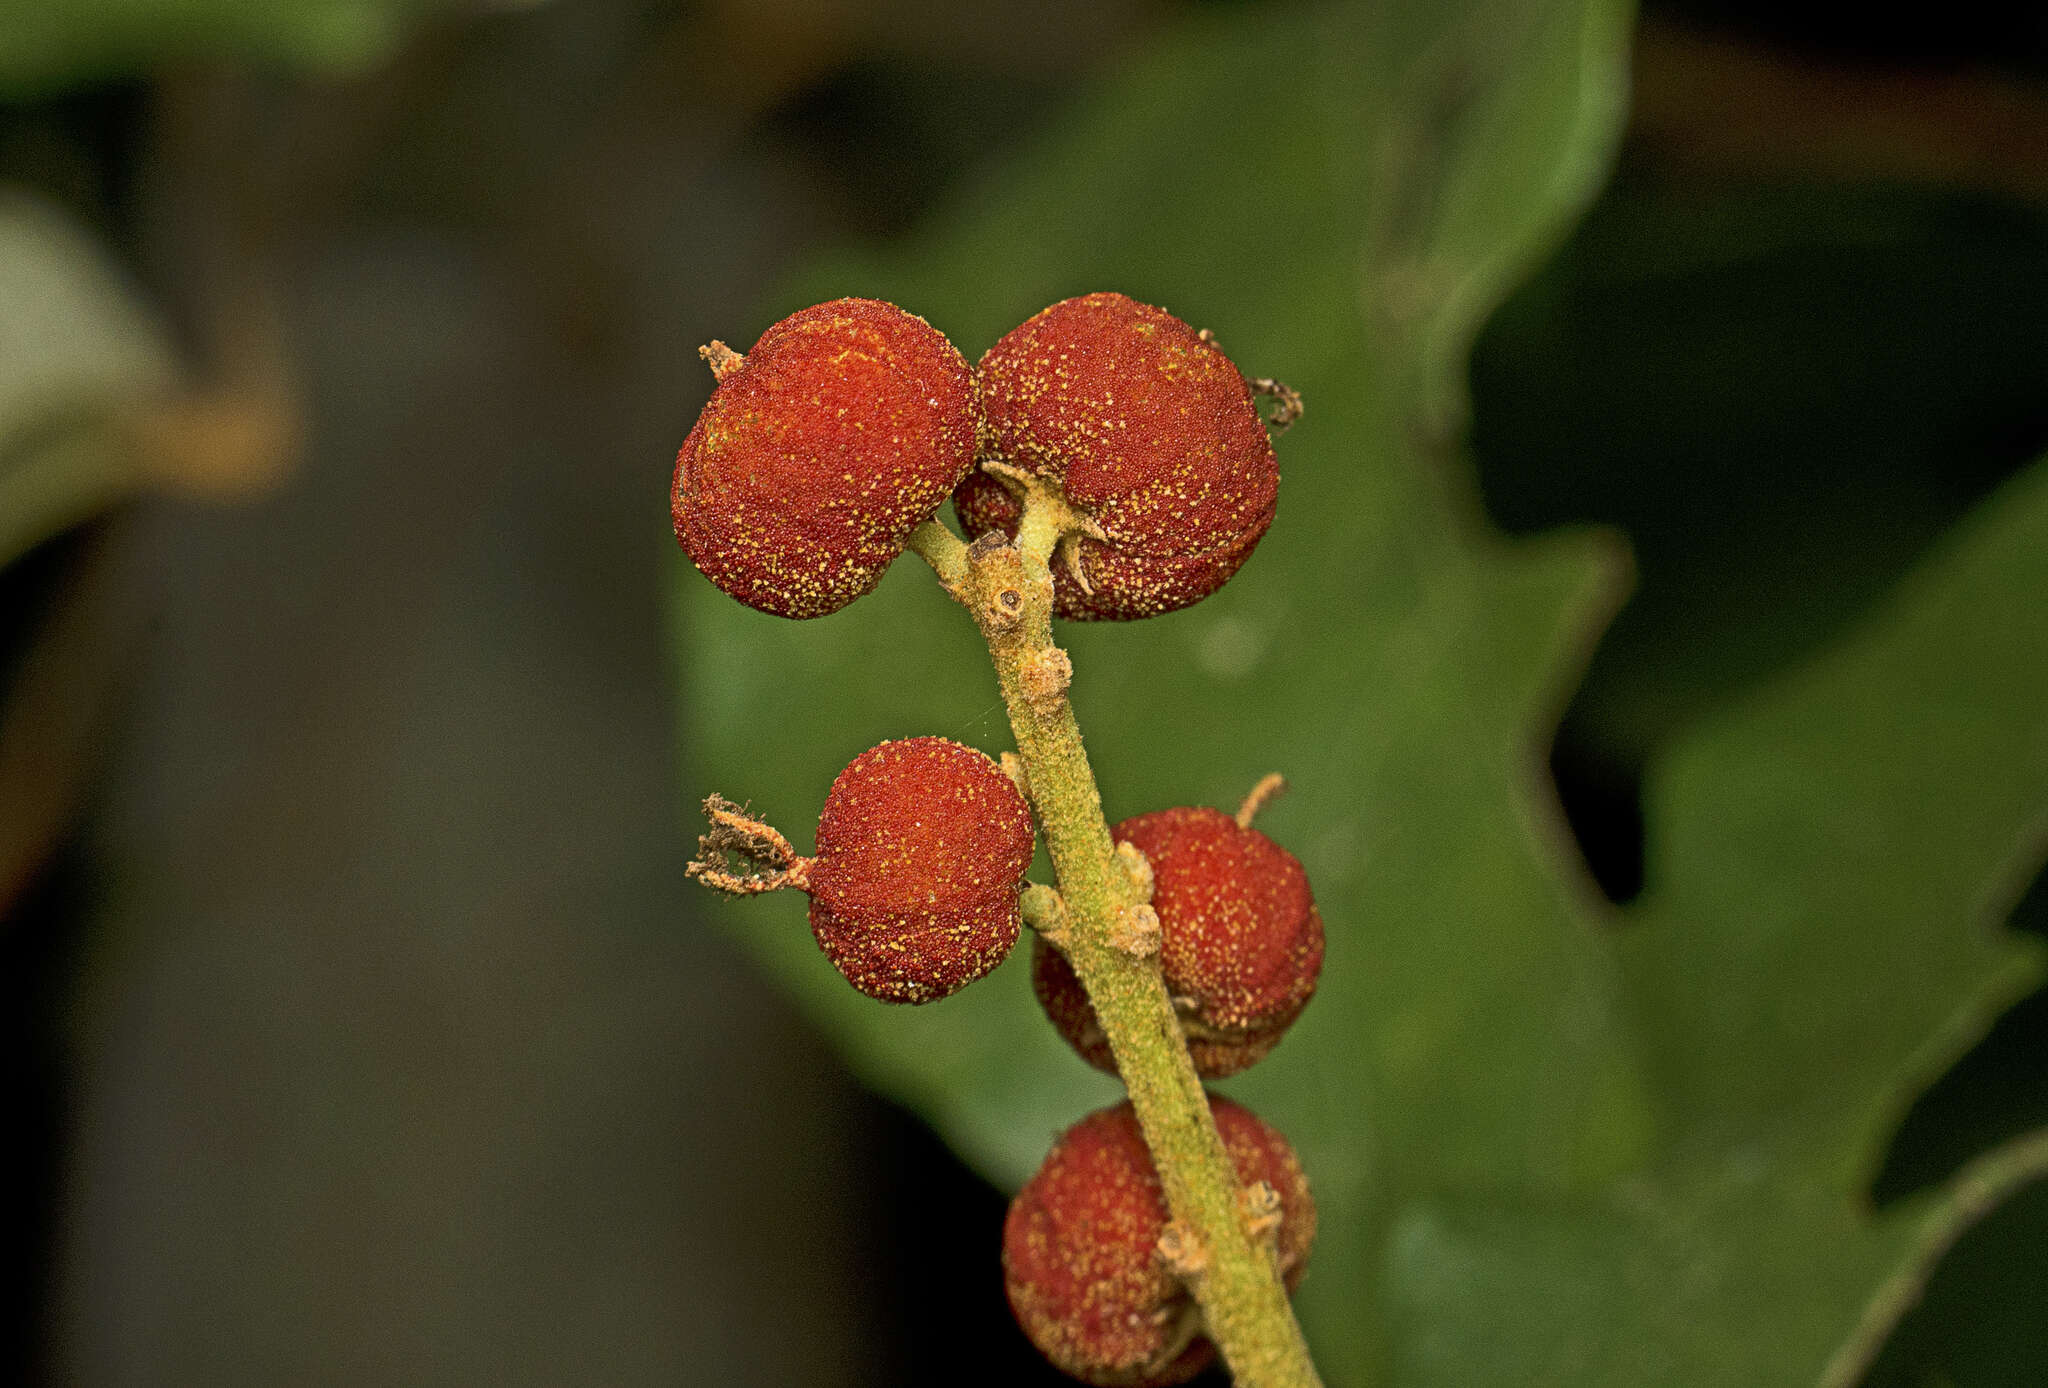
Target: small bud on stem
(1136, 931)
(1180, 1248)
(1044, 911)
(1138, 868)
(1261, 1205)
(1044, 676)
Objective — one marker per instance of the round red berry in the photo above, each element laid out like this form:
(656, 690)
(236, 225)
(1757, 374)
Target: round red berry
(922, 849)
(1149, 430)
(1241, 941)
(820, 451)
(1081, 1258)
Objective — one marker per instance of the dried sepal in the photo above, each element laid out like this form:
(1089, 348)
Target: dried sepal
(743, 856)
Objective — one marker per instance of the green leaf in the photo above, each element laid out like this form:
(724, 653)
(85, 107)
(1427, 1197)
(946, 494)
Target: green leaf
(1803, 385)
(1729, 1272)
(1825, 856)
(1549, 1146)
(1984, 1318)
(77, 349)
(48, 44)
(1827, 862)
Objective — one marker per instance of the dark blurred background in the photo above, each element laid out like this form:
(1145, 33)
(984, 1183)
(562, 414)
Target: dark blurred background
(364, 1030)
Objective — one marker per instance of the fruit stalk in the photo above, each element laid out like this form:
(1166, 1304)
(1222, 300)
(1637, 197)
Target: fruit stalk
(1110, 936)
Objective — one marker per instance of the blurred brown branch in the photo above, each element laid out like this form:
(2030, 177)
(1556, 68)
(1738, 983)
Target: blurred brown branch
(1721, 104)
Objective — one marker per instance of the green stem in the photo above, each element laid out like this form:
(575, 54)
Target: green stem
(941, 548)
(1110, 936)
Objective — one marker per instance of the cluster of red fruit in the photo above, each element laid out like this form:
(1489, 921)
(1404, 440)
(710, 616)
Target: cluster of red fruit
(819, 453)
(850, 423)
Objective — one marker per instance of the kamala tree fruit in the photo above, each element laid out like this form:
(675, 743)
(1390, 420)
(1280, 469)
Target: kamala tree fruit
(1107, 461)
(922, 848)
(1241, 943)
(1082, 1259)
(819, 452)
(1149, 433)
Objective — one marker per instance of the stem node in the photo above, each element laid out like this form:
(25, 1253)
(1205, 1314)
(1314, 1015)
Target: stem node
(1136, 931)
(1044, 675)
(1261, 1207)
(1183, 1252)
(1004, 611)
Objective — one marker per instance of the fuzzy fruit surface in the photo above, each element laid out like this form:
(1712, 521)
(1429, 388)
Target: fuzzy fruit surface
(922, 847)
(1241, 942)
(1080, 1248)
(842, 431)
(1149, 430)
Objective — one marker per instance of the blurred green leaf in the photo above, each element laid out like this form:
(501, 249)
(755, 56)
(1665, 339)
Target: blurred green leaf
(1801, 385)
(1548, 1149)
(48, 44)
(77, 351)
(1985, 1316)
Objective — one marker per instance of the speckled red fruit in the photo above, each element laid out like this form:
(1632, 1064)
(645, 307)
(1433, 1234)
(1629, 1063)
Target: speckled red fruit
(1241, 942)
(1149, 430)
(842, 431)
(922, 849)
(1080, 1259)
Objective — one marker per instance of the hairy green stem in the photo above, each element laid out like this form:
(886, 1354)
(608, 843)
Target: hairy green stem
(1103, 921)
(941, 548)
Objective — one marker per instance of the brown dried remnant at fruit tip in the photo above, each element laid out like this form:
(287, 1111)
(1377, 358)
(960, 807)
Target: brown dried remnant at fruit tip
(1151, 435)
(722, 360)
(1095, 1274)
(1241, 941)
(743, 856)
(820, 451)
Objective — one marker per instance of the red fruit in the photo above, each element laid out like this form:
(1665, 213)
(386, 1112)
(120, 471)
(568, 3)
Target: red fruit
(922, 849)
(1080, 1248)
(1241, 942)
(1149, 430)
(819, 452)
